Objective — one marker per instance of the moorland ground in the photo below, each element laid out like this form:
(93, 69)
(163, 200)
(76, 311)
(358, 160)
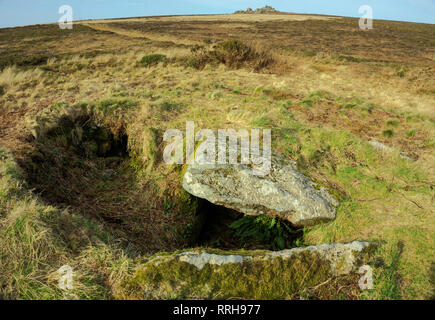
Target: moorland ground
(324, 87)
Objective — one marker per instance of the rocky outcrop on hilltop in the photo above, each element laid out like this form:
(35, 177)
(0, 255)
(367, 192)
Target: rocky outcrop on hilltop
(264, 10)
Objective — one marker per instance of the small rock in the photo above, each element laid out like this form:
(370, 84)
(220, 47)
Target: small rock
(108, 173)
(384, 148)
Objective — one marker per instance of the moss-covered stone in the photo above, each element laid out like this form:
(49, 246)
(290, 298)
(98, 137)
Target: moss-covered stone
(189, 207)
(206, 274)
(150, 147)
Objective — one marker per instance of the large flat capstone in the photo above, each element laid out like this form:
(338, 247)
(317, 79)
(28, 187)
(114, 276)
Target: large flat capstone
(284, 192)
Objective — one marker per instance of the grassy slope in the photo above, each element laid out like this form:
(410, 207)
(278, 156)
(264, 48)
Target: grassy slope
(322, 111)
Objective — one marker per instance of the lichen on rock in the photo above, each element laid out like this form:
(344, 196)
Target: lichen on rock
(284, 192)
(200, 260)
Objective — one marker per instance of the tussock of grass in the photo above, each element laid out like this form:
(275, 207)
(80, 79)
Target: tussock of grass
(388, 133)
(232, 53)
(153, 59)
(12, 75)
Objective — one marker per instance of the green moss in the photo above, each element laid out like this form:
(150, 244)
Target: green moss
(388, 133)
(255, 278)
(189, 207)
(150, 148)
(187, 203)
(393, 123)
(334, 192)
(307, 103)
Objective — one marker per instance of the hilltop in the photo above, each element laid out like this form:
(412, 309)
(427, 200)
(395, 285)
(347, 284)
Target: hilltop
(264, 10)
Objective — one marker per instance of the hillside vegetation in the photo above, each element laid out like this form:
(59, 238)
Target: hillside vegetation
(82, 117)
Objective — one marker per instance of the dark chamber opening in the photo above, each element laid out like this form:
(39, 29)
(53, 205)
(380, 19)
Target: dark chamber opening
(83, 165)
(73, 158)
(229, 229)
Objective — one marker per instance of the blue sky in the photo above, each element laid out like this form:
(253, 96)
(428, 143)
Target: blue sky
(25, 12)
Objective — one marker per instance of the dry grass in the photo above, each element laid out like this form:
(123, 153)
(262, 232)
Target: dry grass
(37, 239)
(139, 34)
(12, 75)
